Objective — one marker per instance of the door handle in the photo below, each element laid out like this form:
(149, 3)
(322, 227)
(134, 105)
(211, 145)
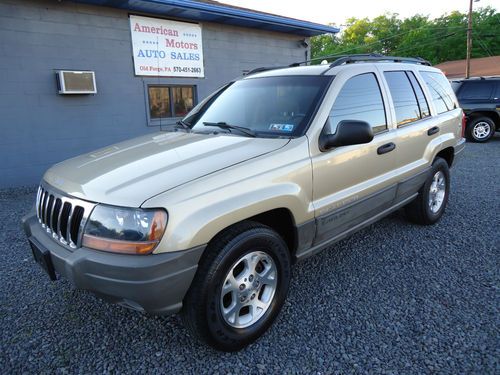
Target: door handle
(388, 147)
(433, 130)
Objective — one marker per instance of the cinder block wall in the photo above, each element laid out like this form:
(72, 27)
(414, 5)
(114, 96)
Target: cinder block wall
(38, 127)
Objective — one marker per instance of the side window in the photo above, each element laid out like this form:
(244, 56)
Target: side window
(441, 92)
(476, 90)
(422, 102)
(496, 96)
(403, 97)
(359, 99)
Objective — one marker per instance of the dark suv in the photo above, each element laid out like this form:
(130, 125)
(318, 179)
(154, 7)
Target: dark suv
(480, 100)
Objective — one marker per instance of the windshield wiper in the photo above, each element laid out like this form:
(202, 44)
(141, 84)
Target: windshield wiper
(184, 125)
(225, 125)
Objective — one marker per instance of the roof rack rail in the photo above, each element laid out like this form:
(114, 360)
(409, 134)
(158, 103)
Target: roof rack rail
(263, 69)
(349, 59)
(346, 59)
(479, 77)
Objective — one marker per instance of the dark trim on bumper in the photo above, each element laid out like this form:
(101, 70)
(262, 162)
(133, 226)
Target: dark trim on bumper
(153, 283)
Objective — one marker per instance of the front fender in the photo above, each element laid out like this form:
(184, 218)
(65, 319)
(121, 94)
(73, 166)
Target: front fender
(202, 225)
(493, 113)
(201, 209)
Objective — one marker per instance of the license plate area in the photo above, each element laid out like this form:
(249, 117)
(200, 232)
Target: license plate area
(43, 258)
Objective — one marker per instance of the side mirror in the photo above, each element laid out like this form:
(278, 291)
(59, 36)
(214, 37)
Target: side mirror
(349, 132)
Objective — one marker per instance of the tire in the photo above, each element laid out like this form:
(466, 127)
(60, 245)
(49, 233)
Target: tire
(430, 204)
(480, 129)
(205, 311)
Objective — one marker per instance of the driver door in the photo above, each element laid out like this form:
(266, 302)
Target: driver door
(352, 184)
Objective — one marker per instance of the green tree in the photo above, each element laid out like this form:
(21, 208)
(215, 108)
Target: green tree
(386, 30)
(438, 40)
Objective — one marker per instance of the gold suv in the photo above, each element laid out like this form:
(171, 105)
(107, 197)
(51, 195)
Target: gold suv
(208, 217)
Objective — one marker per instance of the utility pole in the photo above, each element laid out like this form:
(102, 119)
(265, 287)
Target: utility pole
(469, 40)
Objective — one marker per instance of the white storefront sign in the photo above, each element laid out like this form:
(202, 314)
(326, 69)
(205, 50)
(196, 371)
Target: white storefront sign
(166, 48)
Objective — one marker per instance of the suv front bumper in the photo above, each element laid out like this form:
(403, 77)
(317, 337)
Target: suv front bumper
(155, 283)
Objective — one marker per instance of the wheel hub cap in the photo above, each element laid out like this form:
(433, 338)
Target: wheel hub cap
(437, 191)
(248, 289)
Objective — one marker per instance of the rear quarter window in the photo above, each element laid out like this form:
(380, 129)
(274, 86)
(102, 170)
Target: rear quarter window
(441, 91)
(409, 101)
(403, 97)
(476, 90)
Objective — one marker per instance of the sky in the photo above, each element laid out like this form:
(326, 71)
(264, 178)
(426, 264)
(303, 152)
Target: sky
(336, 11)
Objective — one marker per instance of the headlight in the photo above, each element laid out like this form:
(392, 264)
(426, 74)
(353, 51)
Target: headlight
(124, 230)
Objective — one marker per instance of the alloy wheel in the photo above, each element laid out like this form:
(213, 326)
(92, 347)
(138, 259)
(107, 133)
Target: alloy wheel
(481, 130)
(437, 191)
(248, 289)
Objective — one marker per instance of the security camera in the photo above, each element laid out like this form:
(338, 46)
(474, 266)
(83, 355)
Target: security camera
(304, 43)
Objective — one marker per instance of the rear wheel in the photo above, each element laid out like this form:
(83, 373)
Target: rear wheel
(480, 129)
(432, 198)
(239, 288)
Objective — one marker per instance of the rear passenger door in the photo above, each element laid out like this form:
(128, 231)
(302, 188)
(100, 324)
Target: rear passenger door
(416, 127)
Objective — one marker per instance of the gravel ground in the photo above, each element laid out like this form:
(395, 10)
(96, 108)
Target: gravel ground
(394, 298)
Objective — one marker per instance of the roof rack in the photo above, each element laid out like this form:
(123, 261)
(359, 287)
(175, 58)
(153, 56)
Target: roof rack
(349, 59)
(485, 77)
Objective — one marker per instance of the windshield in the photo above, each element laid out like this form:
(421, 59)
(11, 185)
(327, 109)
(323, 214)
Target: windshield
(268, 106)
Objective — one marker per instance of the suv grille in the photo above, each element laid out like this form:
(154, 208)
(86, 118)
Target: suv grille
(62, 217)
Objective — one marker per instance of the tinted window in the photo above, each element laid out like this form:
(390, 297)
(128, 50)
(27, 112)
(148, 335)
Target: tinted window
(278, 106)
(496, 96)
(359, 99)
(403, 97)
(476, 90)
(422, 101)
(441, 92)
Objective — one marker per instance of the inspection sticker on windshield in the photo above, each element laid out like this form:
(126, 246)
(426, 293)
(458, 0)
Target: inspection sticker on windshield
(281, 127)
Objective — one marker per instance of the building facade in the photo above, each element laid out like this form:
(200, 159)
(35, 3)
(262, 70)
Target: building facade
(126, 47)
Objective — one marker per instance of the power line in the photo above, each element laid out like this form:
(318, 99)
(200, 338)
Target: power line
(483, 46)
(433, 40)
(423, 42)
(399, 34)
(427, 41)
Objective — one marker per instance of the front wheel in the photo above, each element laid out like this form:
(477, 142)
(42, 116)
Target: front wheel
(239, 288)
(432, 197)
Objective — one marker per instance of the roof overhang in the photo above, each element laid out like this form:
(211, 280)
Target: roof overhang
(219, 13)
